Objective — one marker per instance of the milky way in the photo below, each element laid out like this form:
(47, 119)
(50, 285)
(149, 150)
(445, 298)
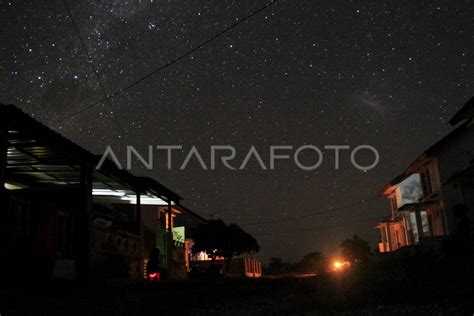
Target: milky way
(388, 74)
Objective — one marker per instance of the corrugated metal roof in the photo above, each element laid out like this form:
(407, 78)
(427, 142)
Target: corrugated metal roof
(39, 156)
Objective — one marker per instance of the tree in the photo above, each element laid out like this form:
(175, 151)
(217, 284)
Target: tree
(275, 266)
(355, 249)
(236, 242)
(312, 262)
(208, 238)
(220, 240)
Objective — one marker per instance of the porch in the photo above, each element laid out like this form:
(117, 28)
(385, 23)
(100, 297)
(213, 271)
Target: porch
(60, 217)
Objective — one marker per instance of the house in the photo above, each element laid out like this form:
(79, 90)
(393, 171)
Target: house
(158, 227)
(61, 217)
(423, 196)
(157, 222)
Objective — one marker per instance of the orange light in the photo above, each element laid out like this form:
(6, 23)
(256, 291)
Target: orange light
(339, 265)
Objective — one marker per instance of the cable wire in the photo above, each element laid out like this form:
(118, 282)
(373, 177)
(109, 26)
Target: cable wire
(311, 229)
(91, 62)
(293, 218)
(173, 61)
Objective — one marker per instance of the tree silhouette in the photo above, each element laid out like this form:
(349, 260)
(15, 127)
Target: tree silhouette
(312, 262)
(275, 266)
(278, 266)
(209, 238)
(236, 242)
(355, 249)
(220, 240)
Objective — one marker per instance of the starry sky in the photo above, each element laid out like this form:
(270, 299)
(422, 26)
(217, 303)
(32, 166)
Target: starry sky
(384, 73)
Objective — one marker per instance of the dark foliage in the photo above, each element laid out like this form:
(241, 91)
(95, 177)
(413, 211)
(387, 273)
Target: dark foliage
(220, 240)
(313, 262)
(355, 249)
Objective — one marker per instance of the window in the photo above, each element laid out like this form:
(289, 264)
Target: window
(425, 224)
(413, 226)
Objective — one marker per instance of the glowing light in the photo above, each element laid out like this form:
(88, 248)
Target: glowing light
(11, 186)
(339, 265)
(155, 275)
(107, 192)
(145, 200)
(128, 197)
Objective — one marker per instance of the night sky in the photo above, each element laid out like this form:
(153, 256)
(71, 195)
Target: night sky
(387, 74)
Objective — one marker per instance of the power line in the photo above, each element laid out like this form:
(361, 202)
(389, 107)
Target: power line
(173, 61)
(89, 58)
(312, 229)
(293, 218)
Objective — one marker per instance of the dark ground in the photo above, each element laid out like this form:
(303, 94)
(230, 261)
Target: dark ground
(305, 296)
